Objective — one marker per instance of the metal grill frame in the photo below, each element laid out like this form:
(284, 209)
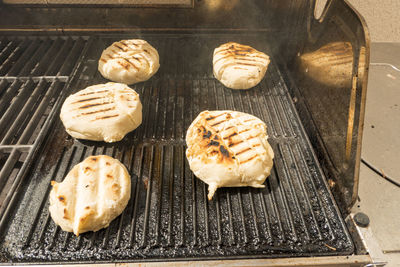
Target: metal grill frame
(82, 74)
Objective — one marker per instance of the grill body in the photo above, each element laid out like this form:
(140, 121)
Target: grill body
(169, 216)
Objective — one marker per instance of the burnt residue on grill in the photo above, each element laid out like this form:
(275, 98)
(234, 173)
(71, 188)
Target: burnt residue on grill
(168, 215)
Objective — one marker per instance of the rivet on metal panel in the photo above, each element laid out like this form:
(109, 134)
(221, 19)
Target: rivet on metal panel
(361, 219)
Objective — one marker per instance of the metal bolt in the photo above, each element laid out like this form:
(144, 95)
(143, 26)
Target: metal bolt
(361, 219)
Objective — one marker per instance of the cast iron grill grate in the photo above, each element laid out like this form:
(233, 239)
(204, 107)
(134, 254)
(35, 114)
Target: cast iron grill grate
(168, 216)
(33, 73)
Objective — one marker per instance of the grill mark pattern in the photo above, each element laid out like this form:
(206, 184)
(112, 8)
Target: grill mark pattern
(229, 143)
(106, 117)
(245, 130)
(244, 150)
(214, 117)
(217, 123)
(130, 64)
(243, 57)
(122, 52)
(94, 105)
(97, 111)
(85, 100)
(229, 136)
(94, 92)
(239, 56)
(117, 46)
(234, 144)
(249, 159)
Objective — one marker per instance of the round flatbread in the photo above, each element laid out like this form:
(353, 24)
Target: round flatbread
(92, 194)
(229, 148)
(103, 112)
(239, 66)
(129, 61)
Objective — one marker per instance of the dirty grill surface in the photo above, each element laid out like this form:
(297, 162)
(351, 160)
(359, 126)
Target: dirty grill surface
(168, 216)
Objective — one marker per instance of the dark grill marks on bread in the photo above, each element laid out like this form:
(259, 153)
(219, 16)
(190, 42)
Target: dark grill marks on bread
(241, 57)
(96, 111)
(217, 126)
(106, 117)
(238, 56)
(94, 92)
(121, 52)
(98, 102)
(94, 105)
(86, 99)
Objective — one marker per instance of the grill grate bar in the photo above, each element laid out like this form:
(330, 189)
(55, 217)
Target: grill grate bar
(18, 121)
(135, 206)
(9, 166)
(6, 99)
(254, 215)
(34, 79)
(245, 239)
(276, 213)
(6, 50)
(219, 240)
(182, 210)
(306, 197)
(164, 104)
(25, 59)
(17, 102)
(71, 58)
(39, 68)
(266, 116)
(314, 189)
(58, 58)
(10, 148)
(148, 184)
(194, 210)
(12, 56)
(266, 216)
(159, 193)
(290, 189)
(231, 233)
(28, 65)
(171, 196)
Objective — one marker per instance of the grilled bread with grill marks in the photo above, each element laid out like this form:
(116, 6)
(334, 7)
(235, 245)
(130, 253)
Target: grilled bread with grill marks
(129, 61)
(92, 194)
(103, 112)
(239, 66)
(229, 148)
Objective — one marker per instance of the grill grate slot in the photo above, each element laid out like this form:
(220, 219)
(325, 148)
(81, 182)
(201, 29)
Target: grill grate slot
(168, 215)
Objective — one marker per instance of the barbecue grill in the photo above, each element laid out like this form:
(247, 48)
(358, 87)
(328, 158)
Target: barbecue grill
(314, 115)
